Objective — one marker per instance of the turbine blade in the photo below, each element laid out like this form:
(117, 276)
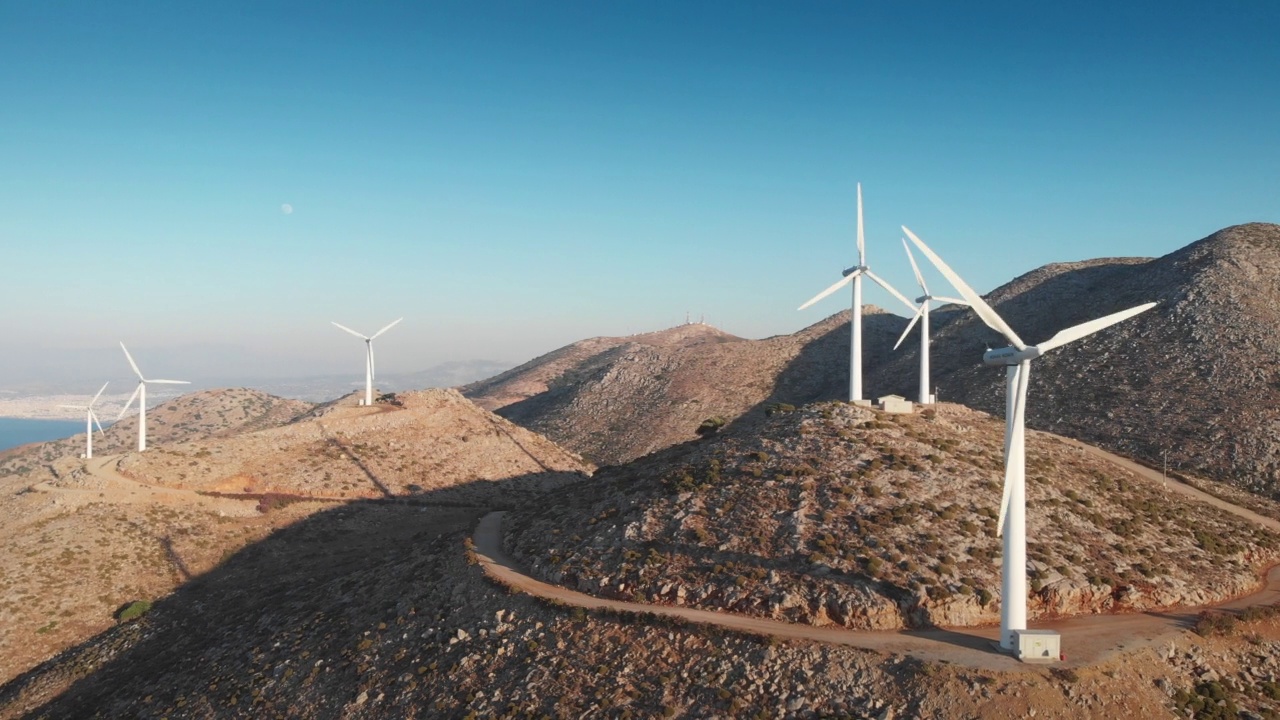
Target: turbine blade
(911, 307)
(132, 364)
(911, 324)
(862, 245)
(132, 397)
(843, 281)
(94, 415)
(171, 382)
(95, 397)
(353, 332)
(1016, 444)
(1072, 334)
(385, 329)
(980, 306)
(373, 366)
(915, 268)
(1004, 498)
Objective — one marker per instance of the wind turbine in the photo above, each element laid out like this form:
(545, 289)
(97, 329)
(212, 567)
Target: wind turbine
(90, 418)
(922, 315)
(1017, 358)
(854, 275)
(140, 394)
(368, 361)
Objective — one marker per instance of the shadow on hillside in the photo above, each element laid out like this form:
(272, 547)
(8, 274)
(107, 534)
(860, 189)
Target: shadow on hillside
(951, 636)
(344, 449)
(347, 450)
(322, 583)
(499, 428)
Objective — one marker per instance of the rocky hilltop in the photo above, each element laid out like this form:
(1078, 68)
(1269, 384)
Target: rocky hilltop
(1196, 377)
(841, 515)
(615, 399)
(427, 441)
(195, 416)
(83, 539)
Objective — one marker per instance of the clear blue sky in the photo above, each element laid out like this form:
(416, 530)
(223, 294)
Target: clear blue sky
(512, 176)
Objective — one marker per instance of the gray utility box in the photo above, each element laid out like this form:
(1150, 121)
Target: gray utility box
(1037, 646)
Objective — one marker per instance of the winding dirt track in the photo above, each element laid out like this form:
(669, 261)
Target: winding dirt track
(1087, 640)
(1174, 485)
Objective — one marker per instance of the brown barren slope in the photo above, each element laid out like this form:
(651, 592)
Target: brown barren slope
(652, 391)
(81, 539)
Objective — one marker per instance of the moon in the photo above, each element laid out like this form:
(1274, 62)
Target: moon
(287, 209)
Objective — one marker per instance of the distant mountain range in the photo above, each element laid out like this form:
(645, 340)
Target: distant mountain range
(40, 399)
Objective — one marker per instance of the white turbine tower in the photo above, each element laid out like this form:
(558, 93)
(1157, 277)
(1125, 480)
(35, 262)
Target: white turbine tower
(90, 419)
(922, 315)
(854, 275)
(368, 359)
(140, 394)
(1013, 506)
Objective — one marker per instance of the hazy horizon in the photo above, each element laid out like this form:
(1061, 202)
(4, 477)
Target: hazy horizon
(215, 185)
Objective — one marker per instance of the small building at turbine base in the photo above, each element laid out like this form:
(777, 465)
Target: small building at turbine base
(1037, 645)
(895, 404)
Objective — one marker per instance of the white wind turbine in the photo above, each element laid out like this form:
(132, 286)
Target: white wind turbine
(1013, 506)
(922, 315)
(90, 418)
(140, 394)
(854, 275)
(368, 359)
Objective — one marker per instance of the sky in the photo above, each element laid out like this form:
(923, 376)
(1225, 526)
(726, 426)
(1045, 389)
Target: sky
(214, 183)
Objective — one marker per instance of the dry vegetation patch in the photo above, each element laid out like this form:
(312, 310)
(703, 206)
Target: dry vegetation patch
(836, 514)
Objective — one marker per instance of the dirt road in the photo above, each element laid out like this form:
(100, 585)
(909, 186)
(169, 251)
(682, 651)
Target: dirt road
(1174, 486)
(1087, 640)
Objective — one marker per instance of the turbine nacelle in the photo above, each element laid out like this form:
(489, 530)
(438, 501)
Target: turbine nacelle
(1010, 355)
(856, 268)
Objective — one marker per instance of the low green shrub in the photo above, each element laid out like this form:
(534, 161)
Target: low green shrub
(133, 610)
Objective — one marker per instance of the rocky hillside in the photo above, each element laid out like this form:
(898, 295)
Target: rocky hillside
(195, 416)
(80, 540)
(615, 399)
(1197, 376)
(837, 514)
(429, 441)
(370, 610)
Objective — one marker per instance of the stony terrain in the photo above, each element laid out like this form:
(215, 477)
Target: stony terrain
(82, 539)
(1197, 376)
(615, 399)
(370, 610)
(360, 602)
(357, 452)
(837, 514)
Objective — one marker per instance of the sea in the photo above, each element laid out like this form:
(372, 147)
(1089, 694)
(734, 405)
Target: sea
(20, 431)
